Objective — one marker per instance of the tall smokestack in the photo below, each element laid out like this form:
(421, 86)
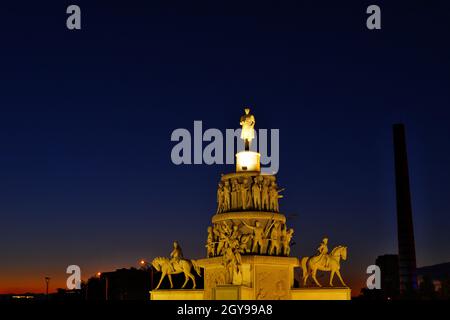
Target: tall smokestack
(405, 230)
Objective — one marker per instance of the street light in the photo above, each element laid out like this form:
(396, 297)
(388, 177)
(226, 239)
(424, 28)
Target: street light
(47, 281)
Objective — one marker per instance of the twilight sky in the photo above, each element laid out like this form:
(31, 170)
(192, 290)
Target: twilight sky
(86, 118)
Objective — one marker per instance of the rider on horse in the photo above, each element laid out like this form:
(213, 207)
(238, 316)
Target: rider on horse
(323, 252)
(176, 255)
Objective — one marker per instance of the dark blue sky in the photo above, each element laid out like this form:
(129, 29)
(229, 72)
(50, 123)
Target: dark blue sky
(86, 118)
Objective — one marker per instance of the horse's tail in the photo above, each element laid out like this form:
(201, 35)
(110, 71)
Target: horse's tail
(196, 267)
(304, 267)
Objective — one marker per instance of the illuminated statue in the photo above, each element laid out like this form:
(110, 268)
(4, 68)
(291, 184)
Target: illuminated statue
(175, 255)
(274, 196)
(220, 197)
(310, 265)
(245, 190)
(265, 195)
(256, 193)
(275, 239)
(234, 194)
(177, 264)
(248, 133)
(231, 258)
(259, 235)
(210, 243)
(322, 252)
(238, 195)
(244, 242)
(232, 233)
(222, 236)
(162, 264)
(249, 193)
(286, 240)
(226, 196)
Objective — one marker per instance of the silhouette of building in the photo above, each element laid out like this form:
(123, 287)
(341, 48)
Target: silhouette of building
(122, 284)
(434, 281)
(388, 264)
(405, 229)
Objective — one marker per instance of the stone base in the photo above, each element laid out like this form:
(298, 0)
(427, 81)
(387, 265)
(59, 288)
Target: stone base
(261, 278)
(321, 294)
(177, 294)
(233, 292)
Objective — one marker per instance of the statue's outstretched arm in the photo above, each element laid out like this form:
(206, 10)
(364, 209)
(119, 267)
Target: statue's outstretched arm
(247, 225)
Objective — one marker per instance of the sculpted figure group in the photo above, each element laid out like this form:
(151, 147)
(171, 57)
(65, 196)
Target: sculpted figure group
(250, 193)
(272, 239)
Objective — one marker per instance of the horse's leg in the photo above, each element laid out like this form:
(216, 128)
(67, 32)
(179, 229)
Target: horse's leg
(185, 280)
(170, 279)
(160, 280)
(313, 273)
(340, 278)
(305, 270)
(331, 277)
(305, 278)
(193, 280)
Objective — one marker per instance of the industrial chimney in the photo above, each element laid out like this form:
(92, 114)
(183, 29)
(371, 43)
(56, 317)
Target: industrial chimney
(405, 230)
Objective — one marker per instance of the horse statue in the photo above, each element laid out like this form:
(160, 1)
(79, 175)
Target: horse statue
(164, 265)
(310, 265)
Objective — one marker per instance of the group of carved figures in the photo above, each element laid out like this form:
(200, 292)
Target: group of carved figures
(234, 244)
(252, 193)
(273, 239)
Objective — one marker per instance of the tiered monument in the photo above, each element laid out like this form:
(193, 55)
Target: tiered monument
(248, 242)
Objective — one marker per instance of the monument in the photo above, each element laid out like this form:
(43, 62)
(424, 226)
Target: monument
(248, 244)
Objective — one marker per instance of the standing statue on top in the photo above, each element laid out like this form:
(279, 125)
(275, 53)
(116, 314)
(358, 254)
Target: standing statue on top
(248, 133)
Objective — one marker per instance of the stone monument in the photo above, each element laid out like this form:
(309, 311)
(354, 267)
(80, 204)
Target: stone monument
(248, 243)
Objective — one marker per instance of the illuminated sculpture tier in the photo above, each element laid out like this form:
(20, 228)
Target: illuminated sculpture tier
(248, 191)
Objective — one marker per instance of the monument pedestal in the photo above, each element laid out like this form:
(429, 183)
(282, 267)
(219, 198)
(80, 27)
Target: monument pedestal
(177, 294)
(323, 293)
(259, 278)
(232, 292)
